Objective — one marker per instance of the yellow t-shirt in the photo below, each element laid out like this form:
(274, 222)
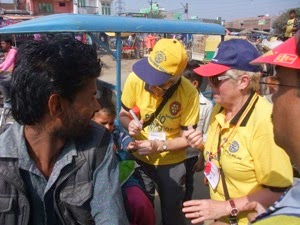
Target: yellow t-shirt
(289, 28)
(180, 111)
(279, 220)
(249, 156)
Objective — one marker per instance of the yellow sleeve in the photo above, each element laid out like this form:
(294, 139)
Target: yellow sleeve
(190, 115)
(128, 98)
(272, 165)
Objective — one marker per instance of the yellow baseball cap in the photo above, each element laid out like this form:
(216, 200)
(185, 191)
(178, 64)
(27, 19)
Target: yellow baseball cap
(167, 59)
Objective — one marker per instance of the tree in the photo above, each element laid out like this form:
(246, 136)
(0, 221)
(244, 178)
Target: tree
(282, 19)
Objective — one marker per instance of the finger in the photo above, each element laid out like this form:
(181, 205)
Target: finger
(251, 216)
(195, 135)
(194, 141)
(191, 203)
(139, 142)
(136, 124)
(197, 220)
(142, 121)
(195, 217)
(187, 133)
(192, 215)
(250, 206)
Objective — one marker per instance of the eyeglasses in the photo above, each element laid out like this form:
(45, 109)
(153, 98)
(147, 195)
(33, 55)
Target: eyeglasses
(164, 87)
(217, 80)
(274, 84)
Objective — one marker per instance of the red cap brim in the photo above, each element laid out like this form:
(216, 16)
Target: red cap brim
(211, 69)
(283, 55)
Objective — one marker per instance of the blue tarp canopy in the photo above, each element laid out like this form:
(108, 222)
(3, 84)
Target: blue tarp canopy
(96, 23)
(87, 23)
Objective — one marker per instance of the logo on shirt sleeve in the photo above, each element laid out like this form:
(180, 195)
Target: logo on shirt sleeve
(174, 108)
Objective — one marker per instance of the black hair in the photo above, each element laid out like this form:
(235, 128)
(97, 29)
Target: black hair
(292, 11)
(7, 40)
(189, 71)
(61, 65)
(106, 101)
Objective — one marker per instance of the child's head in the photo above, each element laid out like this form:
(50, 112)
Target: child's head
(292, 14)
(107, 114)
(189, 73)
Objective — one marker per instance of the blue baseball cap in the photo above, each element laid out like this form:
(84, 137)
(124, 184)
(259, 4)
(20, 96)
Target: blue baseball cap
(231, 54)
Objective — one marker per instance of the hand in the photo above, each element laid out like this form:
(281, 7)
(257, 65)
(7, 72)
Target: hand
(256, 209)
(200, 210)
(132, 146)
(147, 147)
(134, 128)
(194, 138)
(199, 165)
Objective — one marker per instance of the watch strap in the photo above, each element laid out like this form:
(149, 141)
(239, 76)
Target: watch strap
(234, 210)
(163, 147)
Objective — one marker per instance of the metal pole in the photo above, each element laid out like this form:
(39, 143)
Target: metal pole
(118, 71)
(151, 9)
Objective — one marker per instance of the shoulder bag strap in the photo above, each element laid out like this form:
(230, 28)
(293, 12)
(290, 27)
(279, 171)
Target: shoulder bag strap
(232, 219)
(166, 97)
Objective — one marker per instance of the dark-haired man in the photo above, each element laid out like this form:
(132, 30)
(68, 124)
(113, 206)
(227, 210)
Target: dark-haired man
(56, 167)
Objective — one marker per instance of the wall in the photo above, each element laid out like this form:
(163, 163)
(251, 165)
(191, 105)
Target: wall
(250, 23)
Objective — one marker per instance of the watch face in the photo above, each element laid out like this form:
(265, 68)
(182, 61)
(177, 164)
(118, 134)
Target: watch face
(234, 212)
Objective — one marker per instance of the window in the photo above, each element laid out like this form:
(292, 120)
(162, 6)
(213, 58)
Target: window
(62, 4)
(46, 8)
(106, 9)
(81, 3)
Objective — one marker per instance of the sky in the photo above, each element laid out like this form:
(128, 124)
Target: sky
(211, 9)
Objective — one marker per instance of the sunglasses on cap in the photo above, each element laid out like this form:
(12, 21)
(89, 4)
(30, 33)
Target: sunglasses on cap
(161, 89)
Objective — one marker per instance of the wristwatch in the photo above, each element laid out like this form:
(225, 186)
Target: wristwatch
(163, 147)
(234, 210)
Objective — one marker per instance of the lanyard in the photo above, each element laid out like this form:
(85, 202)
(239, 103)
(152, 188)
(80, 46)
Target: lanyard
(230, 137)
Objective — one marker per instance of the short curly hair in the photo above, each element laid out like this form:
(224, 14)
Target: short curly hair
(60, 65)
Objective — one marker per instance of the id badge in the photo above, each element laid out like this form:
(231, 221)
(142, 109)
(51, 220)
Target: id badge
(212, 173)
(157, 136)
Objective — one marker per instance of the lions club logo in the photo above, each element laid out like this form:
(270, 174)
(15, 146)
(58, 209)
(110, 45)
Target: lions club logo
(234, 147)
(159, 57)
(175, 108)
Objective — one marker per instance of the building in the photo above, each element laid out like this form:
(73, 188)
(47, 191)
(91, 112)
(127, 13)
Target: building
(15, 11)
(262, 23)
(47, 7)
